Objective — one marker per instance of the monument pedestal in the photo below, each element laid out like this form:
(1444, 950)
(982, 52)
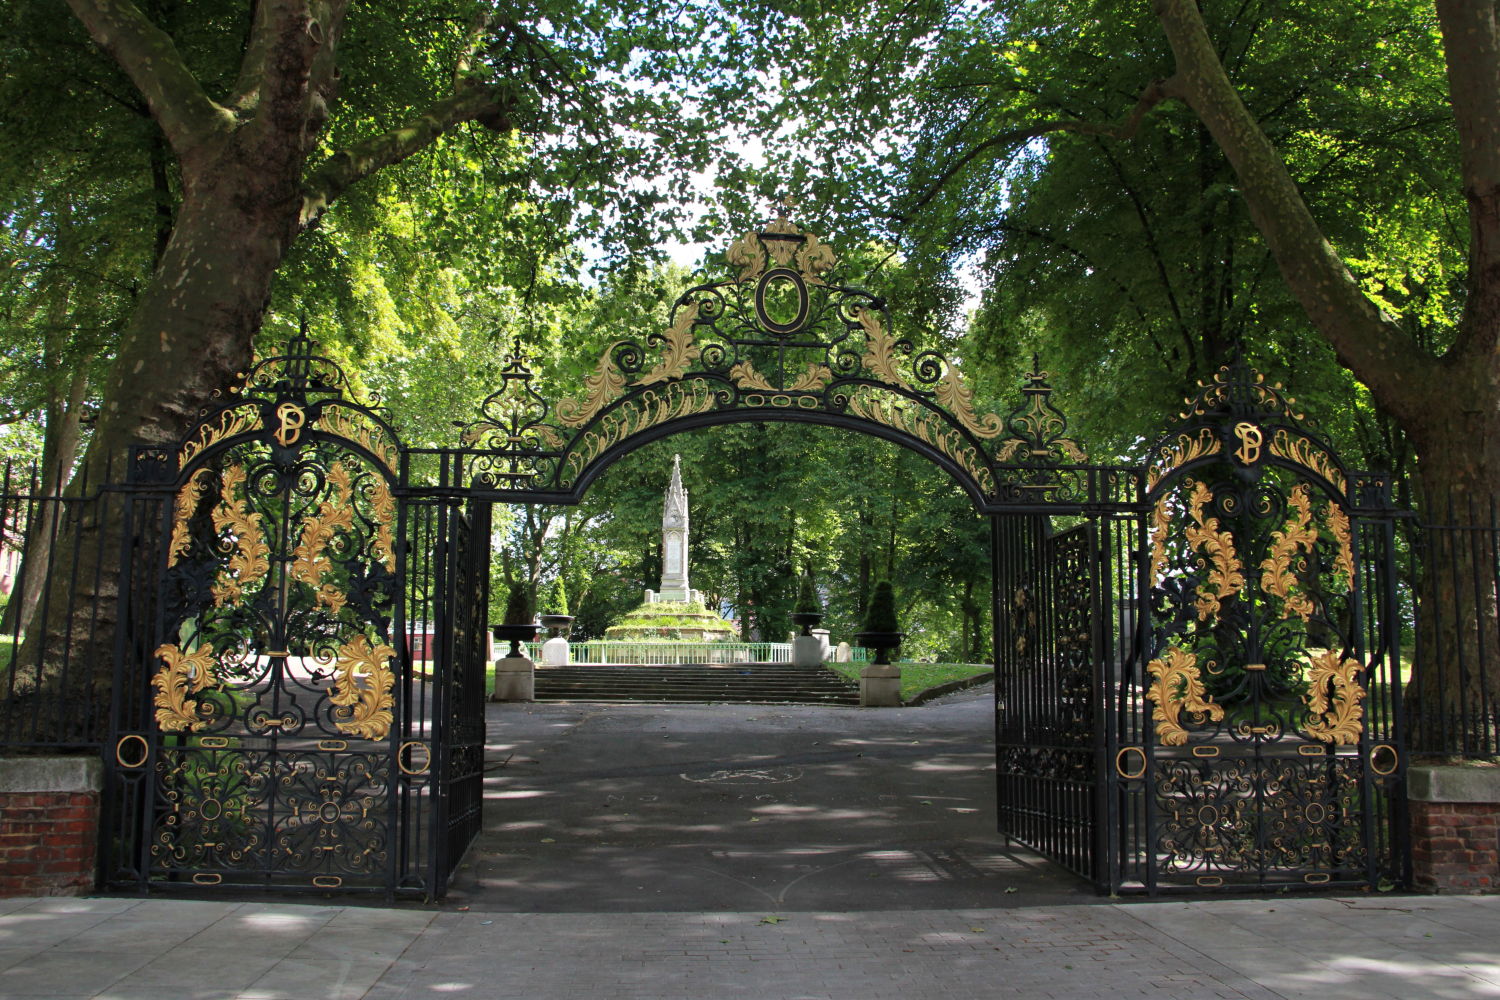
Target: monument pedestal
(515, 679)
(556, 653)
(880, 685)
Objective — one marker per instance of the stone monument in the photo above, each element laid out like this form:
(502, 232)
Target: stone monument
(675, 611)
(674, 544)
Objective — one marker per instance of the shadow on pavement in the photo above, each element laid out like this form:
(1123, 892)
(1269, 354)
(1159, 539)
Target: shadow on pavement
(667, 808)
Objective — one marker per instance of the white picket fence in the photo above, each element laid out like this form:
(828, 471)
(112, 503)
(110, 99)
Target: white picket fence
(671, 653)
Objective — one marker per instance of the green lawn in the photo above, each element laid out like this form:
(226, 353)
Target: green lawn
(918, 677)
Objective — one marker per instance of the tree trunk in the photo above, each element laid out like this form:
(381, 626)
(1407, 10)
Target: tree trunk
(1449, 406)
(1453, 702)
(210, 291)
(61, 436)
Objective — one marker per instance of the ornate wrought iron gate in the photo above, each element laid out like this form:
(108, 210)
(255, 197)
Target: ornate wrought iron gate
(1196, 681)
(462, 632)
(1259, 745)
(1045, 696)
(271, 729)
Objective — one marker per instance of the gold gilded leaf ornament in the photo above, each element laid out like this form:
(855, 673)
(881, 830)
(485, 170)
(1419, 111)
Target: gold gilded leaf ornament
(231, 422)
(679, 351)
(1161, 525)
(747, 254)
(363, 710)
(601, 389)
(182, 674)
(958, 397)
(1278, 578)
(879, 406)
(745, 376)
(1184, 449)
(251, 559)
(353, 426)
(1344, 560)
(880, 353)
(1294, 447)
(1225, 575)
(383, 506)
(310, 559)
(813, 378)
(815, 259)
(1335, 718)
(188, 499)
(1176, 688)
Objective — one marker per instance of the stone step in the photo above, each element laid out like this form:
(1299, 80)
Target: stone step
(741, 683)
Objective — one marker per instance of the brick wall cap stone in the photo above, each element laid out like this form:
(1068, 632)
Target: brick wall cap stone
(1450, 783)
(50, 774)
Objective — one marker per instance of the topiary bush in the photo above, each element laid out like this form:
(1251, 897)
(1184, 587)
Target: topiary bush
(880, 615)
(807, 597)
(517, 607)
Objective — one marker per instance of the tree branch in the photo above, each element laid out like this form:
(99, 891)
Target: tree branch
(346, 167)
(1153, 95)
(151, 60)
(288, 73)
(1371, 344)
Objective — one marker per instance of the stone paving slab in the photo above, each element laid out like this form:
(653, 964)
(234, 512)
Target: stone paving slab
(1330, 948)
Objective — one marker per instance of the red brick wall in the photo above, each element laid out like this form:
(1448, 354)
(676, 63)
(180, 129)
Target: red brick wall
(47, 842)
(1456, 846)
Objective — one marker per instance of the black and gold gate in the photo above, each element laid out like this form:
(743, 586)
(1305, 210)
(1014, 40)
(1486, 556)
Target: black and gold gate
(279, 720)
(1196, 658)
(1255, 740)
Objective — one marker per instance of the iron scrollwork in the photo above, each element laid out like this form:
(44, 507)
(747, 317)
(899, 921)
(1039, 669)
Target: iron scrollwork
(1256, 680)
(277, 609)
(781, 338)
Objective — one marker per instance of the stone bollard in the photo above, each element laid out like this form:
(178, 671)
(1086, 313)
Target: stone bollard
(556, 652)
(807, 651)
(515, 679)
(880, 685)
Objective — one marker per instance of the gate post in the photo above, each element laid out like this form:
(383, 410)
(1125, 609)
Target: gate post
(50, 807)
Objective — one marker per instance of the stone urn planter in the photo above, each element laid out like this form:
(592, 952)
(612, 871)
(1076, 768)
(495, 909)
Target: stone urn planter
(807, 620)
(558, 625)
(884, 643)
(515, 634)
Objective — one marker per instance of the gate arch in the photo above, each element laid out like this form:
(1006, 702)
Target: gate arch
(729, 356)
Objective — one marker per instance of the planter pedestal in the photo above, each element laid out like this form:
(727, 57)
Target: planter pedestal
(515, 679)
(807, 651)
(880, 685)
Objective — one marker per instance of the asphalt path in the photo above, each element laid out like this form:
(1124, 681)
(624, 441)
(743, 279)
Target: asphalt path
(594, 807)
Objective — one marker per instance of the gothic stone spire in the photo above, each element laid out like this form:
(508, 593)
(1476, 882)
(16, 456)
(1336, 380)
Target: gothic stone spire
(674, 536)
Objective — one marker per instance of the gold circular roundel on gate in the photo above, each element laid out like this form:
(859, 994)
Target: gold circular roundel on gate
(781, 301)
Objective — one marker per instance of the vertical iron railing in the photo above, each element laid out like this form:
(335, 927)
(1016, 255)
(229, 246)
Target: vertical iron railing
(1450, 602)
(59, 562)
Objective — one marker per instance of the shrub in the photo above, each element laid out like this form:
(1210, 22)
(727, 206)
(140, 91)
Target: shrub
(807, 597)
(880, 616)
(517, 607)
